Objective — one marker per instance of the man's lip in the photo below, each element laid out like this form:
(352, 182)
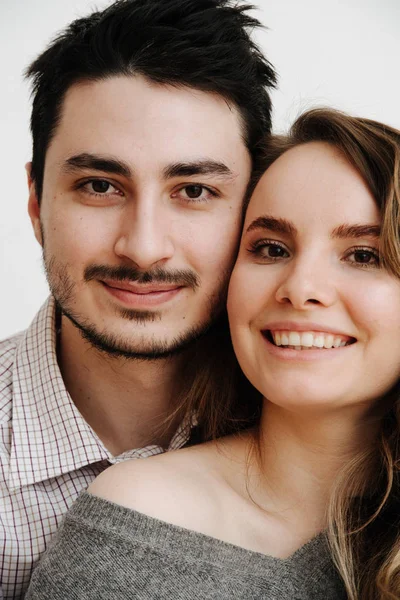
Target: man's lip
(141, 288)
(302, 326)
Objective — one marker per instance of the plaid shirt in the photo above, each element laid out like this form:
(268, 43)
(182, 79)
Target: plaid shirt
(48, 453)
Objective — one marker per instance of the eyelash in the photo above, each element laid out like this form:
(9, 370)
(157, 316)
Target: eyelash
(211, 191)
(92, 180)
(256, 248)
(81, 185)
(371, 251)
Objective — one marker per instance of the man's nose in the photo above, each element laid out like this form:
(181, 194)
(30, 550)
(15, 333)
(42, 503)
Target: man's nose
(145, 235)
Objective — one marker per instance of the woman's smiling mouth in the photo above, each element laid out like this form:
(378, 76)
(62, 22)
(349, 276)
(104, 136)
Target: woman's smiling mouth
(307, 340)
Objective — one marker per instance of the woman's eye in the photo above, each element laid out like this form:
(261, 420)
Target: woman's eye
(269, 250)
(276, 251)
(194, 192)
(364, 257)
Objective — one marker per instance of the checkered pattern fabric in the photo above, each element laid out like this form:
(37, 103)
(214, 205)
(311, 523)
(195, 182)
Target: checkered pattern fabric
(48, 453)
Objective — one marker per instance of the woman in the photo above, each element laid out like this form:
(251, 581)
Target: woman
(314, 310)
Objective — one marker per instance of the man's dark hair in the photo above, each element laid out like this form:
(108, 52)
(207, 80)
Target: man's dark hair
(202, 44)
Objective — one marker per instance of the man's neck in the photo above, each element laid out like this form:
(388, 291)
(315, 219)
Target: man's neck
(124, 401)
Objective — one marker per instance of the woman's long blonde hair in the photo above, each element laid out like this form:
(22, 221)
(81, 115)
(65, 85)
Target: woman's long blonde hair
(364, 510)
(213, 392)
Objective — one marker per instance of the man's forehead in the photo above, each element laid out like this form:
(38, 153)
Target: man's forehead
(133, 98)
(203, 166)
(135, 122)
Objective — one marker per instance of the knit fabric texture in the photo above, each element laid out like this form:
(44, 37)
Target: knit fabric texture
(104, 551)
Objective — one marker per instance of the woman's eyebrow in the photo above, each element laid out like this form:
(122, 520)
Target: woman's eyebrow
(273, 224)
(356, 231)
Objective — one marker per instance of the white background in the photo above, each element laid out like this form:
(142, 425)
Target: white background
(343, 53)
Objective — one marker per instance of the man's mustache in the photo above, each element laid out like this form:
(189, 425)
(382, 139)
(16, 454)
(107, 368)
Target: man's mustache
(184, 278)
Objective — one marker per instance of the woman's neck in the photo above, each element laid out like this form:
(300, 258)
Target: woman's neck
(300, 458)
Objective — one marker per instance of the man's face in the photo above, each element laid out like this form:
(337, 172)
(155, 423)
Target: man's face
(141, 211)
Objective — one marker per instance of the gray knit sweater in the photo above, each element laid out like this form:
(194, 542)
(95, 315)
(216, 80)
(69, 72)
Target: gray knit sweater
(107, 552)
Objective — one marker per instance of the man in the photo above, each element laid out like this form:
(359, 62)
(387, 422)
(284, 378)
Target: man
(145, 123)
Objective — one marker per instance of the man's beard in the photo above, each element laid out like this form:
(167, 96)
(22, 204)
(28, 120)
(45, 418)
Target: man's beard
(63, 288)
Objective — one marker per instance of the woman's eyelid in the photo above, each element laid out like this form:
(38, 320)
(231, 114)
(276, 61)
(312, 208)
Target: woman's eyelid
(268, 241)
(260, 247)
(373, 250)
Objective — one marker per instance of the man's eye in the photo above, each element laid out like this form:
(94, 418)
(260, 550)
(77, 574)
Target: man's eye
(268, 250)
(194, 192)
(99, 187)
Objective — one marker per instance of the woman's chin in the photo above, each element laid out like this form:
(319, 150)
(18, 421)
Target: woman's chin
(307, 398)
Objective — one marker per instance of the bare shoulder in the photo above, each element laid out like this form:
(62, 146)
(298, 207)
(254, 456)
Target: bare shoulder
(176, 487)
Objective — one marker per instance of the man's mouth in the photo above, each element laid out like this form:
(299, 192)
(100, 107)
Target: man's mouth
(141, 288)
(307, 340)
(142, 296)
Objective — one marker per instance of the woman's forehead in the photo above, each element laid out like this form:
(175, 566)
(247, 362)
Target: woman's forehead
(313, 180)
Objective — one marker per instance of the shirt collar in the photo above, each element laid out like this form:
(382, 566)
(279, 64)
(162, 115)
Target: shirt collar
(49, 435)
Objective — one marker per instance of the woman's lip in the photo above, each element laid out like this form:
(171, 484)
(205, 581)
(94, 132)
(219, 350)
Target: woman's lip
(310, 354)
(296, 326)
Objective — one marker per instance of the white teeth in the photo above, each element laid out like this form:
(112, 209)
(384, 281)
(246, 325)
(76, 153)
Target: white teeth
(319, 340)
(307, 339)
(294, 339)
(284, 339)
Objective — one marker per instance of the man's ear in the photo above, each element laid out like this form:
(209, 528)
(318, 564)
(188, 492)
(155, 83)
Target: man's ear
(33, 205)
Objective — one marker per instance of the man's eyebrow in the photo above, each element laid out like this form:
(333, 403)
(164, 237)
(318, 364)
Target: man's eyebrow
(273, 224)
(201, 167)
(356, 231)
(97, 162)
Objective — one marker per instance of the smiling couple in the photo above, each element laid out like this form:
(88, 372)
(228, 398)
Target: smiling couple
(152, 162)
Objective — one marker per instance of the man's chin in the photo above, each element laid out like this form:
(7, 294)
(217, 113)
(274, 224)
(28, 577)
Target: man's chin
(139, 346)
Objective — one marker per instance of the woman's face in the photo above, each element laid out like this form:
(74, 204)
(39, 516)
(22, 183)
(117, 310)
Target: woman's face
(315, 321)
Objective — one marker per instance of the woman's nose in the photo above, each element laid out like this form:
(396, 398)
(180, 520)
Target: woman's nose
(307, 282)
